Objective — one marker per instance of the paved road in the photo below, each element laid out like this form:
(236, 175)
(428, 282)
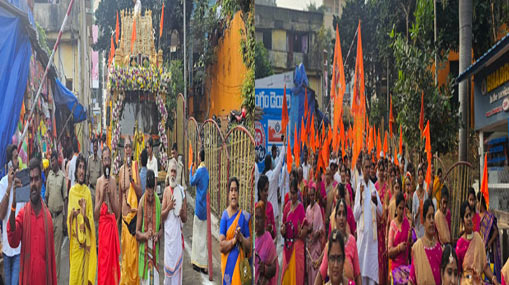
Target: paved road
(189, 275)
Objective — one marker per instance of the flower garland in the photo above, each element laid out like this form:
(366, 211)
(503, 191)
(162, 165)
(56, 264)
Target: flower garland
(162, 134)
(117, 112)
(139, 78)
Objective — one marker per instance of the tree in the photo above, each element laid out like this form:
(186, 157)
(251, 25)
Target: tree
(263, 67)
(413, 58)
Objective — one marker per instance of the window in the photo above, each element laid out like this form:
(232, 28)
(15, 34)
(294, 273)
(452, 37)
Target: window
(267, 39)
(300, 42)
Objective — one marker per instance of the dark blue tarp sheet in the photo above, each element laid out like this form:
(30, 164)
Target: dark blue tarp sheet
(15, 54)
(65, 99)
(301, 82)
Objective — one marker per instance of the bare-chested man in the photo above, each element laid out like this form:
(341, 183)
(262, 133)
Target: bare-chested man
(106, 211)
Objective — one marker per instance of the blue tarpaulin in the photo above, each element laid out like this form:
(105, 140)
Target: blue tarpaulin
(15, 54)
(65, 99)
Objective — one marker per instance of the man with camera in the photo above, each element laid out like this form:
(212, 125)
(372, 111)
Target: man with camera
(7, 184)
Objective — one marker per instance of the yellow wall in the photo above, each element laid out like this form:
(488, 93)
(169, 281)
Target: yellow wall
(70, 57)
(227, 75)
(279, 40)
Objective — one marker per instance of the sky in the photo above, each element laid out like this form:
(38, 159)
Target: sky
(297, 4)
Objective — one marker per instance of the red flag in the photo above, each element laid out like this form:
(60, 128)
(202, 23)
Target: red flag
(117, 30)
(484, 182)
(133, 35)
(161, 24)
(358, 100)
(421, 116)
(391, 118)
(400, 140)
(296, 148)
(284, 114)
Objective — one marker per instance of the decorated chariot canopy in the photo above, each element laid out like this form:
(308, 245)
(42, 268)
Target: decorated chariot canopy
(137, 72)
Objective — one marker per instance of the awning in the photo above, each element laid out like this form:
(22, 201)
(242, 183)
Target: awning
(65, 99)
(486, 59)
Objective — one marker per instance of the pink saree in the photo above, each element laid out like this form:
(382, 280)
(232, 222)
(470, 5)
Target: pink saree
(381, 228)
(293, 252)
(266, 253)
(314, 247)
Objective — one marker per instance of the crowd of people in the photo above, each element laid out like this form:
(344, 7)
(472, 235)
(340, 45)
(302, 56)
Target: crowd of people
(115, 225)
(377, 222)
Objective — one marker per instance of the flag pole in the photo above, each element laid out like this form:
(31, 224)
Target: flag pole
(45, 74)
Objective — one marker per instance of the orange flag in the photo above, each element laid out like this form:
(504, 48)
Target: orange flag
(133, 35)
(342, 136)
(112, 52)
(400, 140)
(190, 154)
(338, 85)
(484, 182)
(117, 30)
(302, 131)
(312, 132)
(161, 24)
(378, 144)
(371, 142)
(288, 156)
(284, 114)
(396, 162)
(391, 118)
(296, 148)
(421, 116)
(385, 149)
(358, 100)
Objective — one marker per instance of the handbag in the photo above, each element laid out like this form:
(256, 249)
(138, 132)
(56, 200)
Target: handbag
(131, 226)
(246, 276)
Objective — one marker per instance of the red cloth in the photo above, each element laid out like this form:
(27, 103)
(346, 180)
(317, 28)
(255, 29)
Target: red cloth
(477, 222)
(108, 271)
(37, 244)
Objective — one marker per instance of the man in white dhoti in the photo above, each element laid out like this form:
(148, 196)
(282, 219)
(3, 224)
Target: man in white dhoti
(200, 179)
(173, 221)
(366, 209)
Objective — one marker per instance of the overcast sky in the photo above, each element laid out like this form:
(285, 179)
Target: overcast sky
(297, 4)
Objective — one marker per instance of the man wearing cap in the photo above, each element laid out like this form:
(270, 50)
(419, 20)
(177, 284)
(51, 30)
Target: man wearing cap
(173, 222)
(56, 198)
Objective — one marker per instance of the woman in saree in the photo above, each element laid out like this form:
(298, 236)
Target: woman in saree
(263, 194)
(383, 188)
(234, 236)
(471, 252)
(399, 243)
(336, 259)
(351, 268)
(489, 232)
(266, 263)
(449, 266)
(348, 185)
(293, 230)
(396, 188)
(316, 231)
(472, 201)
(426, 252)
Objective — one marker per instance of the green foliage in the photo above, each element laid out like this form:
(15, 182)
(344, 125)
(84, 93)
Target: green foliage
(176, 69)
(262, 62)
(248, 51)
(413, 60)
(43, 39)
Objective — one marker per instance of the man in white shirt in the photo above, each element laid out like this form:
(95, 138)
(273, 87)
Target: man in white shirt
(72, 164)
(8, 182)
(273, 176)
(152, 160)
(305, 165)
(366, 209)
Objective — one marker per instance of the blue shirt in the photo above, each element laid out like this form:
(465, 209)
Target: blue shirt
(143, 178)
(201, 180)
